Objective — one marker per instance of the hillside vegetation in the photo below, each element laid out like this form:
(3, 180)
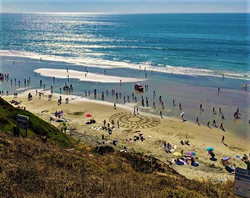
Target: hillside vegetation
(32, 168)
(37, 126)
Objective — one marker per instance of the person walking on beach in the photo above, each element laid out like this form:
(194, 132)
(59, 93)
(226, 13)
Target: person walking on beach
(208, 124)
(201, 109)
(182, 116)
(221, 126)
(161, 114)
(118, 124)
(137, 111)
(214, 112)
(114, 106)
(214, 124)
(197, 121)
(134, 112)
(223, 138)
(180, 107)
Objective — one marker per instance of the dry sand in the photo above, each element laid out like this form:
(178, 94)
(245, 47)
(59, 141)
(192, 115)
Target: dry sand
(84, 76)
(168, 129)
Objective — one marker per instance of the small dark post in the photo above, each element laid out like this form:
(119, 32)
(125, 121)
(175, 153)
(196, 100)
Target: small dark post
(16, 131)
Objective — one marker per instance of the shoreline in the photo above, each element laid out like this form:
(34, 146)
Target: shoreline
(168, 69)
(170, 129)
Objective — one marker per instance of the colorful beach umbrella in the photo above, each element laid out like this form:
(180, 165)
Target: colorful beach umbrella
(210, 148)
(226, 159)
(191, 153)
(177, 154)
(88, 115)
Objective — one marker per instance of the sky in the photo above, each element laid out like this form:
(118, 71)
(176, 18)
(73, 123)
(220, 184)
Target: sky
(126, 6)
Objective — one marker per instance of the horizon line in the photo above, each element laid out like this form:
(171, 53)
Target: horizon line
(110, 13)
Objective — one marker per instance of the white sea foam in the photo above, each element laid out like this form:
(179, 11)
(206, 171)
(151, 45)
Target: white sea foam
(92, 61)
(83, 76)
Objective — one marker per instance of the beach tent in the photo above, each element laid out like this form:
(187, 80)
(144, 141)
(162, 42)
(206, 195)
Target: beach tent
(88, 115)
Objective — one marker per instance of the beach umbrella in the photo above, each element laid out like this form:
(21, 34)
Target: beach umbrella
(210, 148)
(88, 115)
(177, 154)
(191, 153)
(226, 159)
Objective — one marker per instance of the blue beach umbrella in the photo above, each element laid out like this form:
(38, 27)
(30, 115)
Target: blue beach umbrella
(210, 148)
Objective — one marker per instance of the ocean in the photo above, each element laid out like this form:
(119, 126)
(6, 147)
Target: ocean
(188, 54)
(192, 44)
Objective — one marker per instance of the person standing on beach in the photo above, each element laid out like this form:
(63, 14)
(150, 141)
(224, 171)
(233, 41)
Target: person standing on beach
(197, 121)
(67, 69)
(201, 109)
(180, 107)
(223, 138)
(114, 106)
(161, 114)
(120, 82)
(118, 124)
(221, 126)
(137, 111)
(214, 123)
(214, 112)
(182, 116)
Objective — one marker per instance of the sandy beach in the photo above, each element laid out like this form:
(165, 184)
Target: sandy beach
(154, 129)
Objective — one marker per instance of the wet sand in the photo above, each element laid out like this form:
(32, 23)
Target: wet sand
(84, 76)
(157, 131)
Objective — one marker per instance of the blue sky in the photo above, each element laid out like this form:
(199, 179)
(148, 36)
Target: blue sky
(126, 6)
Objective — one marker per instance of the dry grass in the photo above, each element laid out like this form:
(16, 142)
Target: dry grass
(31, 168)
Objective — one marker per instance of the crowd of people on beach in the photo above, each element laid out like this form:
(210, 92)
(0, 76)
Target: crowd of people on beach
(118, 96)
